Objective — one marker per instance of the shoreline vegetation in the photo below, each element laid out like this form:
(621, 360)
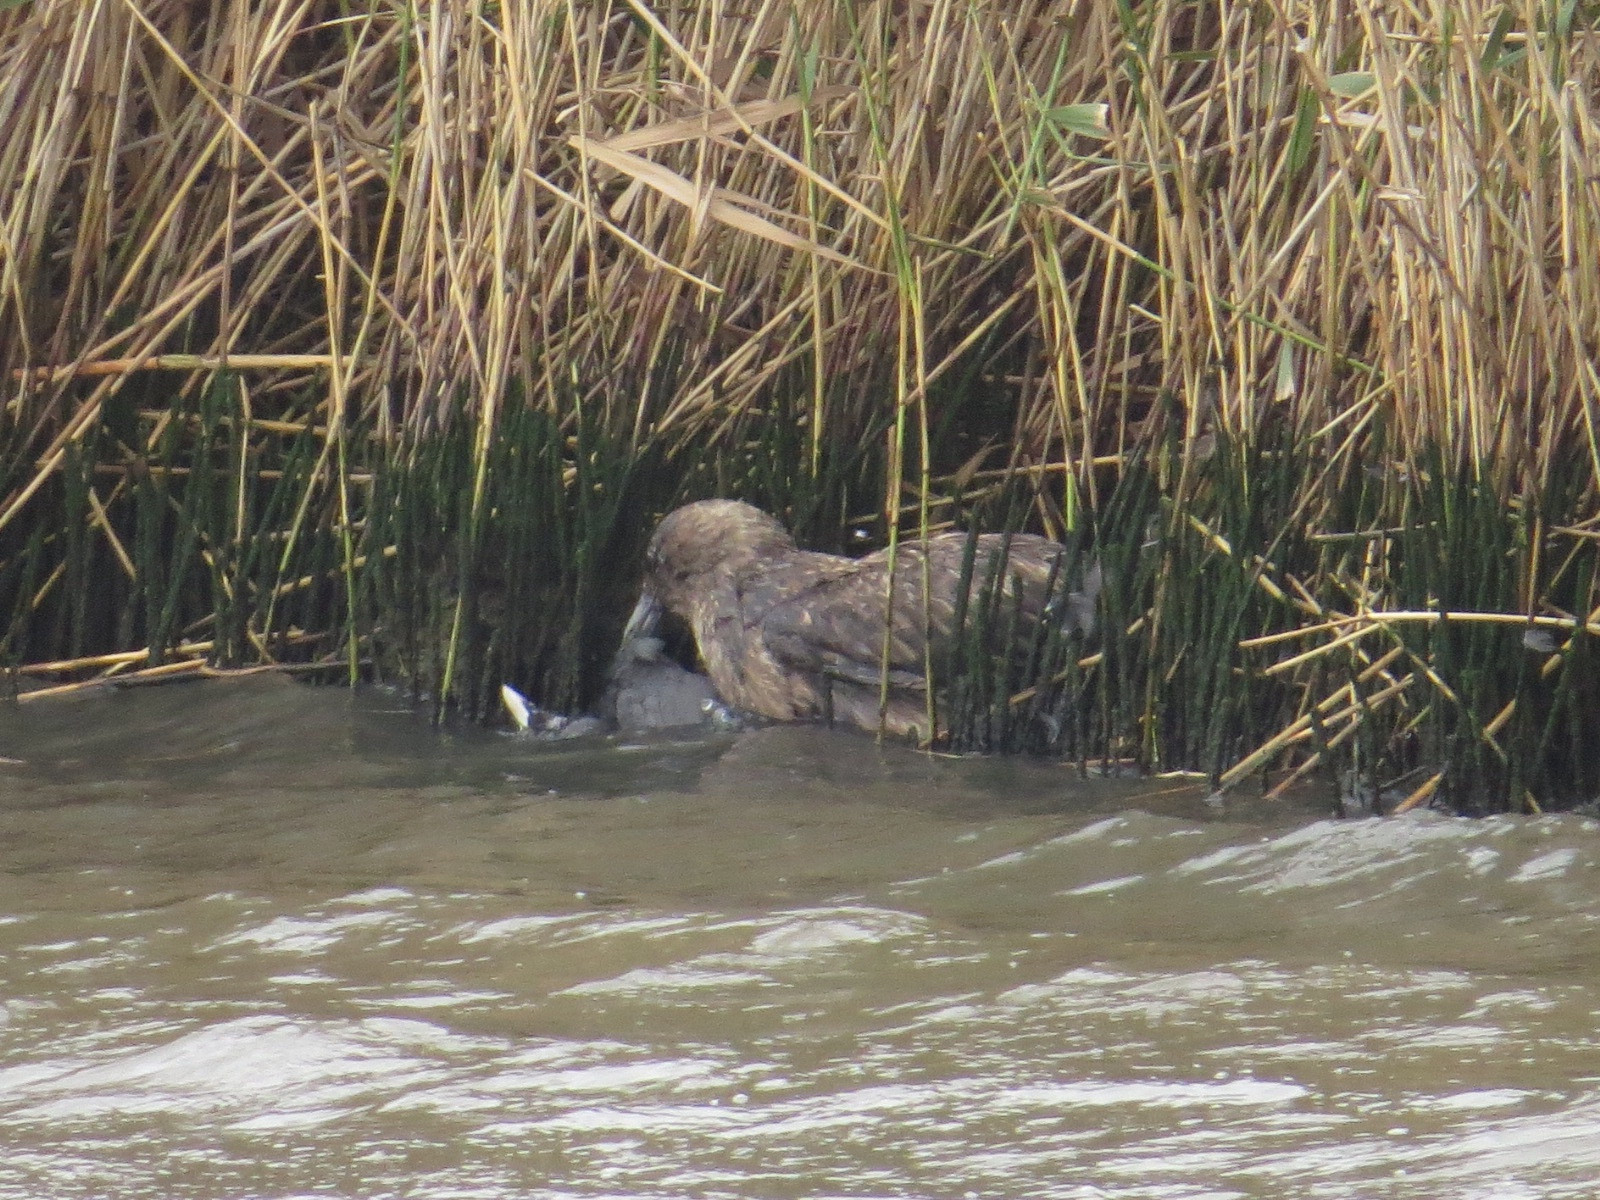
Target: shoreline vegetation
(371, 341)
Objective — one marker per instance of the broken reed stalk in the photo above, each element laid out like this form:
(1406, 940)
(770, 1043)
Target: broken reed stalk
(1357, 625)
(179, 362)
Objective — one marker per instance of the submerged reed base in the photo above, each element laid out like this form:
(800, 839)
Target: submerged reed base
(1268, 614)
(1394, 628)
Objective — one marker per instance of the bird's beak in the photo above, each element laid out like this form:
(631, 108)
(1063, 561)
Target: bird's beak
(644, 620)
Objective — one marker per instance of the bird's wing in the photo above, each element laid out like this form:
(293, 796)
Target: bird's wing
(1042, 581)
(825, 616)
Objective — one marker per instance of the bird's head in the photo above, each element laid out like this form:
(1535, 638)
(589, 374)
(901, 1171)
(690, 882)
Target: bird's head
(691, 546)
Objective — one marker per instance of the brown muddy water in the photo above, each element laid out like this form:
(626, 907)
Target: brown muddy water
(258, 940)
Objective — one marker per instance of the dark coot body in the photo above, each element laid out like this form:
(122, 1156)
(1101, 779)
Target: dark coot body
(650, 692)
(646, 692)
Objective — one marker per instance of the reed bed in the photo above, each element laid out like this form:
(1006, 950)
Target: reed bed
(371, 339)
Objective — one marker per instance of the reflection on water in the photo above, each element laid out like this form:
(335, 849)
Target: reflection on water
(260, 940)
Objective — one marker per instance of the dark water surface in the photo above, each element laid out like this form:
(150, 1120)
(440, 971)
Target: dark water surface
(259, 940)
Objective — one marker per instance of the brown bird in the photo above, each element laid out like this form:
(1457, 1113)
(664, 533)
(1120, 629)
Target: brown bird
(794, 635)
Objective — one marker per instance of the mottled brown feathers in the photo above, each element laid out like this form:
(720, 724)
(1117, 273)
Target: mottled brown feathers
(793, 635)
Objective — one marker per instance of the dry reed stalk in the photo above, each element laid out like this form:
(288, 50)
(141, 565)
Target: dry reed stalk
(1394, 232)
